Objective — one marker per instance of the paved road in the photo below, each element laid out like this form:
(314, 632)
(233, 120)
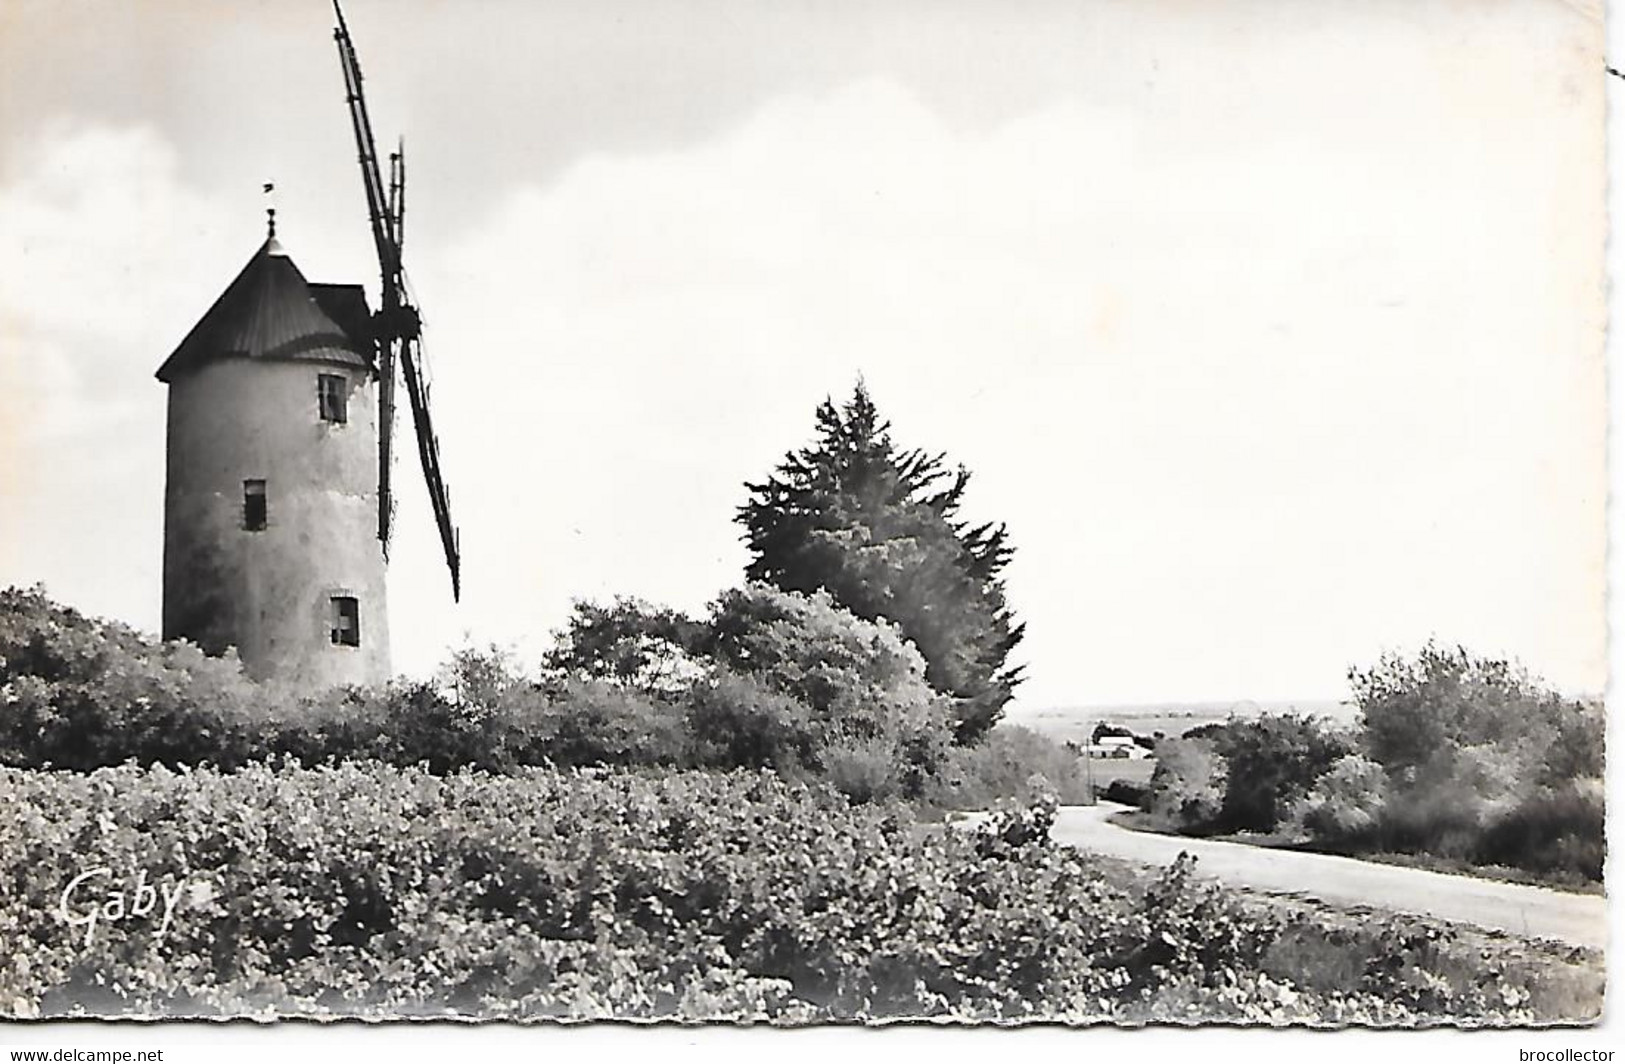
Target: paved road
(1580, 919)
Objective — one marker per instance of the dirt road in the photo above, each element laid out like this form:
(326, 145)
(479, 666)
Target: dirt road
(1580, 919)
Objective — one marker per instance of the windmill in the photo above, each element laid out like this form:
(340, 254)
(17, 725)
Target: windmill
(397, 326)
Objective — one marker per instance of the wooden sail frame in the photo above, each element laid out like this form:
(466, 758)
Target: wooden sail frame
(397, 327)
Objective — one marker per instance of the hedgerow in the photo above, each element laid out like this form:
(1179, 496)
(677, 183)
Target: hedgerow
(1455, 757)
(769, 679)
(367, 890)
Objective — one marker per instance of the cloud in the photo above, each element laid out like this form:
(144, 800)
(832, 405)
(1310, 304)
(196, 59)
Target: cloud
(1251, 417)
(1268, 364)
(102, 245)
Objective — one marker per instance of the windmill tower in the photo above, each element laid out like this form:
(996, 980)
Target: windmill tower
(277, 500)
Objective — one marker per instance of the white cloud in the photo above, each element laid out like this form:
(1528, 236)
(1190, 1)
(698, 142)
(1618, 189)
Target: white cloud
(1251, 417)
(101, 245)
(1267, 363)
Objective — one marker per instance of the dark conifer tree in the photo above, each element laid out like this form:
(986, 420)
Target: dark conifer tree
(879, 529)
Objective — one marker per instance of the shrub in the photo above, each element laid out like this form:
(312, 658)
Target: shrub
(1555, 830)
(76, 692)
(1127, 792)
(863, 769)
(1482, 763)
(738, 721)
(1578, 738)
(591, 722)
(1271, 763)
(631, 643)
(768, 679)
(1442, 821)
(1188, 785)
(1413, 710)
(1010, 762)
(862, 682)
(1242, 775)
(421, 725)
(774, 679)
(862, 673)
(1346, 801)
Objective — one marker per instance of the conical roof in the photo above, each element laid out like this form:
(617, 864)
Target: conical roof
(269, 311)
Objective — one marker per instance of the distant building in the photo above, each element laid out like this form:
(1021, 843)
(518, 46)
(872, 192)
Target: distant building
(271, 490)
(1117, 746)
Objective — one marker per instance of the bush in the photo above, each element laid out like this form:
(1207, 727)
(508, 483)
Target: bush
(862, 673)
(1188, 785)
(1482, 763)
(77, 693)
(629, 643)
(1010, 762)
(1272, 763)
(738, 721)
(863, 684)
(1555, 830)
(1347, 800)
(590, 723)
(1242, 775)
(774, 679)
(1127, 792)
(1413, 710)
(770, 679)
(365, 890)
(863, 769)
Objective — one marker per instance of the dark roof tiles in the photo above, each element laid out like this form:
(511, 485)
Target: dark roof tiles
(346, 305)
(271, 311)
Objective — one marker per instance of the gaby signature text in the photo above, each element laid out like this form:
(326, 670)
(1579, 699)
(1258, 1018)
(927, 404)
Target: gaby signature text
(94, 897)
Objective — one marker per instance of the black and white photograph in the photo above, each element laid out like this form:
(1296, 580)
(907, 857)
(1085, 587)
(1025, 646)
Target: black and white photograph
(699, 514)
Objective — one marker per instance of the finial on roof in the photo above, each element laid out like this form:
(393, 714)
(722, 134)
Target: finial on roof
(271, 245)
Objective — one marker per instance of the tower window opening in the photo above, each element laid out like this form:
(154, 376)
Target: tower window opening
(332, 398)
(346, 621)
(254, 505)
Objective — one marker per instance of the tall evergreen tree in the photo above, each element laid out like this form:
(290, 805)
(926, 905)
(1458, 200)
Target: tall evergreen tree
(879, 529)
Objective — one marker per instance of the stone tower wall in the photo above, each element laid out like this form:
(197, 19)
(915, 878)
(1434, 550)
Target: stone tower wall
(269, 592)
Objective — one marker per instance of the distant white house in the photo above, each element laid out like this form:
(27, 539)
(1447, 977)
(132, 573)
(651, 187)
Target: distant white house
(1116, 746)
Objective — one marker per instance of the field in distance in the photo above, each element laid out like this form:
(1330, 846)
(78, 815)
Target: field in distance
(1173, 719)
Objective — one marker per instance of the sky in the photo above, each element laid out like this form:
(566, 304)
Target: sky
(1273, 331)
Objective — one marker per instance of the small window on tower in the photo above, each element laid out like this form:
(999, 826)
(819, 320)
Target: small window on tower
(254, 505)
(346, 622)
(333, 398)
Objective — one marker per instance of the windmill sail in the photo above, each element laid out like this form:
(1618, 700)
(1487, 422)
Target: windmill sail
(417, 393)
(397, 327)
